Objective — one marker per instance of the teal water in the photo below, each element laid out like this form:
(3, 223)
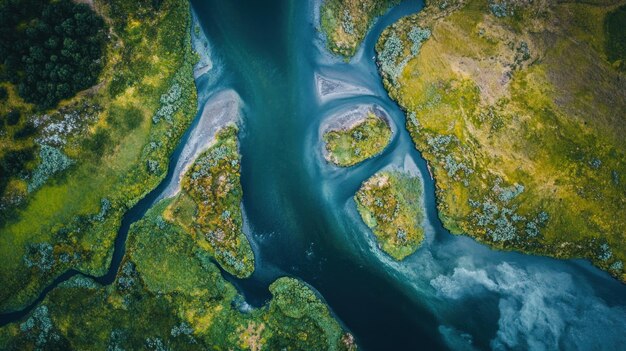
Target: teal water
(453, 293)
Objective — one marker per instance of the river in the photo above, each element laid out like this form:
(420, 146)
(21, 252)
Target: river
(302, 222)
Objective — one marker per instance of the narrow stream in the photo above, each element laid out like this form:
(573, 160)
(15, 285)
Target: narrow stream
(302, 221)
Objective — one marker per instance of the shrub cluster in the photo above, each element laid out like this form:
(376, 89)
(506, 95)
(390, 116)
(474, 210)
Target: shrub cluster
(389, 55)
(348, 22)
(172, 100)
(500, 9)
(105, 207)
(53, 161)
(417, 36)
(393, 50)
(40, 256)
(57, 128)
(126, 276)
(442, 147)
(170, 103)
(39, 327)
(502, 222)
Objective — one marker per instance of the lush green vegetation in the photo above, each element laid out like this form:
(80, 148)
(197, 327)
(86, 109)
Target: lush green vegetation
(358, 142)
(615, 23)
(345, 22)
(390, 204)
(527, 150)
(209, 206)
(98, 153)
(169, 295)
(50, 49)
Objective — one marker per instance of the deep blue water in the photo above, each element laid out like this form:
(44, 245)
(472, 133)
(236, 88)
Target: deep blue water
(302, 222)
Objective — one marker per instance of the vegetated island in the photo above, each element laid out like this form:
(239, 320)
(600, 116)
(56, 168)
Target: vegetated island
(209, 205)
(170, 295)
(73, 162)
(356, 136)
(346, 22)
(518, 106)
(390, 205)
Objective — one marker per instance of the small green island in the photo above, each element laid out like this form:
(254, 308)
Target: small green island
(345, 22)
(390, 205)
(356, 137)
(209, 204)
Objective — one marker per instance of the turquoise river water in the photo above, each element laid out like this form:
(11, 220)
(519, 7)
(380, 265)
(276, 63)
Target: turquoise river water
(453, 293)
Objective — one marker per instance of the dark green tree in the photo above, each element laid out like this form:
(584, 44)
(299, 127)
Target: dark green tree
(50, 49)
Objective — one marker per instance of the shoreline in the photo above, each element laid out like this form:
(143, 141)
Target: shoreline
(221, 110)
(350, 119)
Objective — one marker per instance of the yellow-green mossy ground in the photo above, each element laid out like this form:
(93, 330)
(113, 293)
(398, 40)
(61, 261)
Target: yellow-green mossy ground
(170, 295)
(521, 114)
(390, 205)
(356, 143)
(209, 205)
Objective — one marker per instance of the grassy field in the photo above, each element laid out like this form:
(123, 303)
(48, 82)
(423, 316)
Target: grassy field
(365, 139)
(209, 206)
(390, 204)
(169, 294)
(519, 110)
(128, 126)
(345, 22)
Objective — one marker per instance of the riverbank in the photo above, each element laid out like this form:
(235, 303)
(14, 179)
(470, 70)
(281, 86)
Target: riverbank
(222, 109)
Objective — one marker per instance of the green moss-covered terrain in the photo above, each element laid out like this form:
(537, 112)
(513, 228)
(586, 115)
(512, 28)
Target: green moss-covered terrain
(519, 108)
(169, 295)
(345, 22)
(209, 206)
(390, 204)
(356, 143)
(72, 170)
